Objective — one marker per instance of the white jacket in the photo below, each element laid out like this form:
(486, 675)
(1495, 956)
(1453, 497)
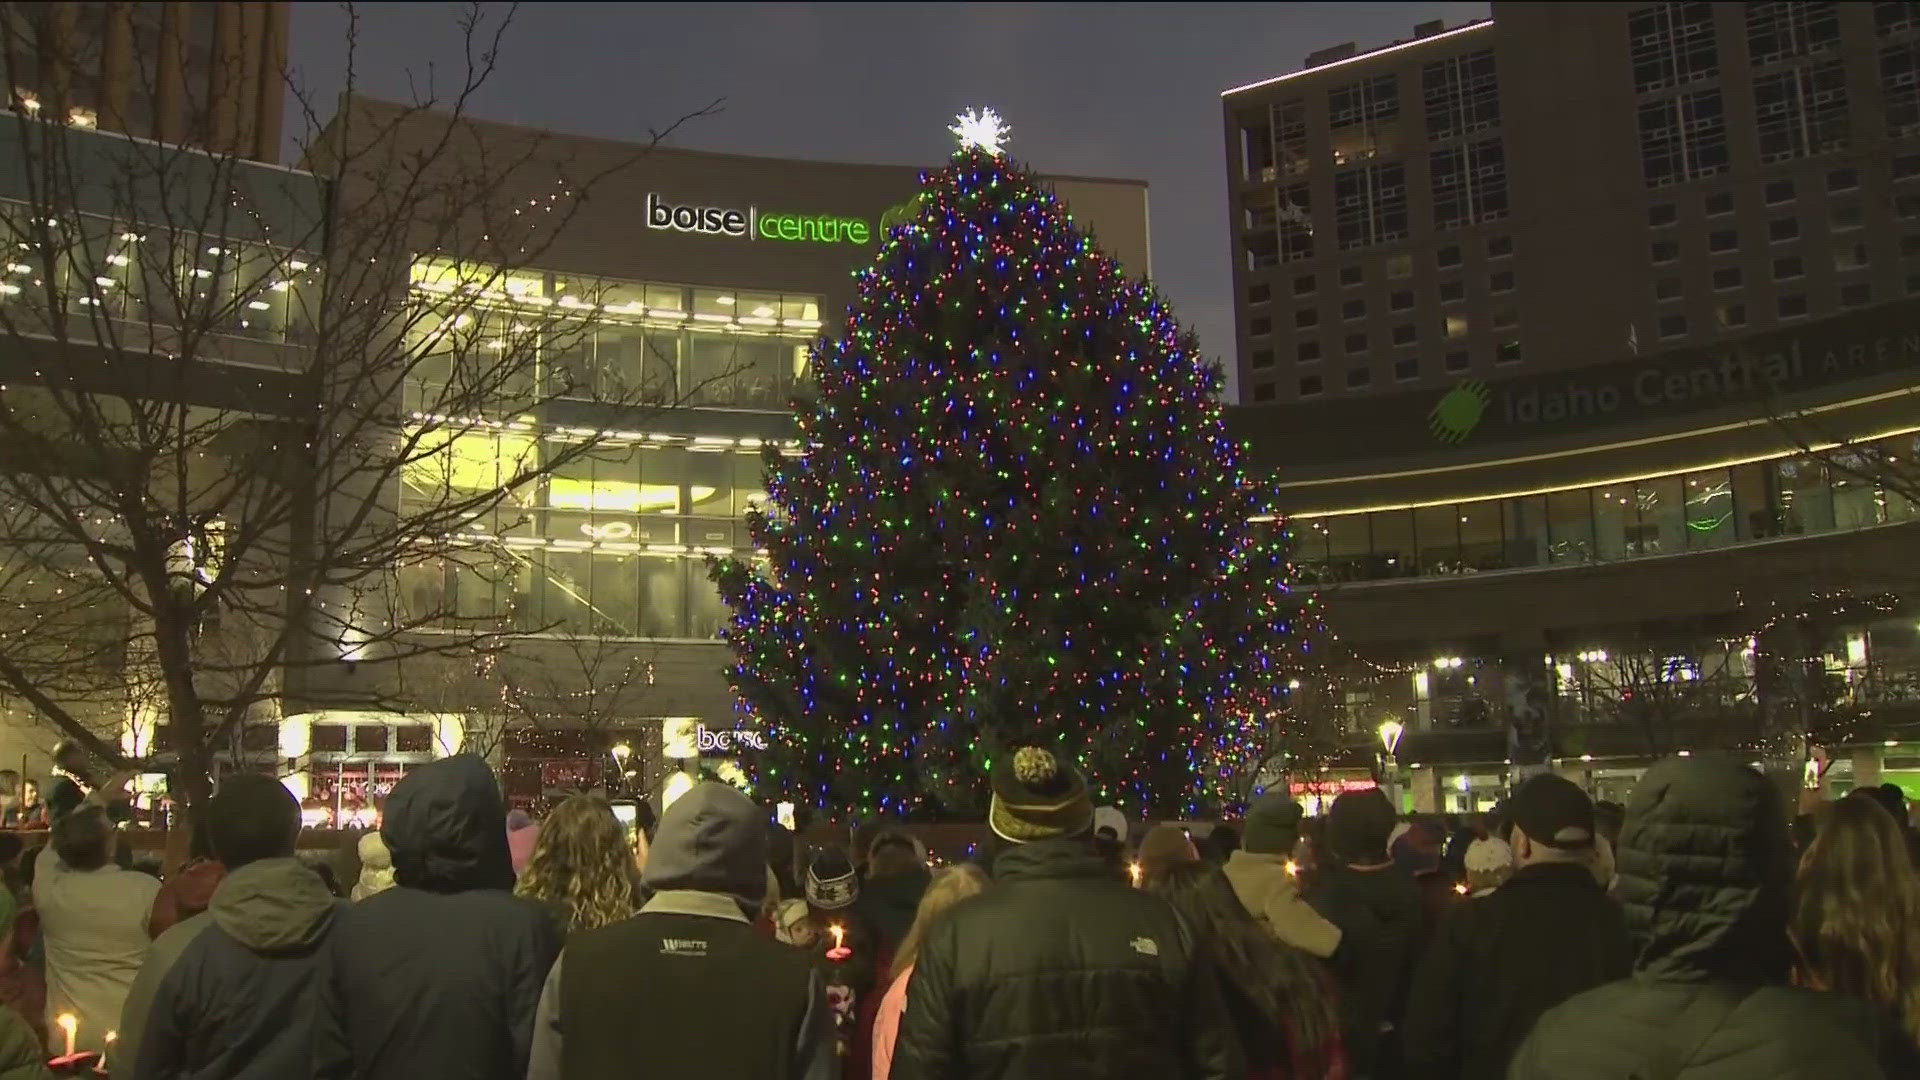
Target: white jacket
(95, 928)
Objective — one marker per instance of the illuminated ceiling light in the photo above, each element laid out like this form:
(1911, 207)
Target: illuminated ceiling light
(723, 301)
(762, 311)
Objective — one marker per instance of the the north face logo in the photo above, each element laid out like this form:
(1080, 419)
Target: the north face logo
(1146, 946)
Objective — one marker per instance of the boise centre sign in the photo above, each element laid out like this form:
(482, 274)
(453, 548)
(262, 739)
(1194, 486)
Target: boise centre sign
(753, 224)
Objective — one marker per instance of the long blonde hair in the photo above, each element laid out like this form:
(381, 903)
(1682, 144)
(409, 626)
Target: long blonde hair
(582, 860)
(948, 887)
(1856, 917)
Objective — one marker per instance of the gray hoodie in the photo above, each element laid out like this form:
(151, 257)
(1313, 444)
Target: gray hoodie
(709, 860)
(230, 992)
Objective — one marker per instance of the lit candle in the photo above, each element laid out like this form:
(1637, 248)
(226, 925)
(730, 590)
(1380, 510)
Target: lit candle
(1133, 871)
(1461, 888)
(70, 1024)
(101, 1066)
(839, 951)
(1293, 868)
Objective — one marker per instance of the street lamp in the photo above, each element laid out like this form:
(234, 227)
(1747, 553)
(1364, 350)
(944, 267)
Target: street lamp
(621, 752)
(1389, 732)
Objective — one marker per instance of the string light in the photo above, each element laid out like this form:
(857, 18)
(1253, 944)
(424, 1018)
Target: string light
(1028, 523)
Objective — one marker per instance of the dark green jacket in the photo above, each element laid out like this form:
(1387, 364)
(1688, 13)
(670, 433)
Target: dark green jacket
(1705, 870)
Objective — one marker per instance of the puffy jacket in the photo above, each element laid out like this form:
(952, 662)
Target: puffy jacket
(1704, 870)
(440, 975)
(1267, 890)
(235, 996)
(1500, 961)
(1379, 914)
(1061, 970)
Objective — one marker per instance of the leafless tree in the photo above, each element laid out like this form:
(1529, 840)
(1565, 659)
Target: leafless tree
(240, 402)
(1666, 697)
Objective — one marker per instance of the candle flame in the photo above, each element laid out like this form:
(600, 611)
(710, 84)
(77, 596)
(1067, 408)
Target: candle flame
(1293, 868)
(1461, 888)
(1133, 871)
(839, 935)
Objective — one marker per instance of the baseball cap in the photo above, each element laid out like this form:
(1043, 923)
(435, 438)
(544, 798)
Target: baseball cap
(1552, 810)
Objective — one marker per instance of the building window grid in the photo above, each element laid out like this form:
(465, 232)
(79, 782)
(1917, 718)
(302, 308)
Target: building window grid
(1900, 86)
(1782, 31)
(1801, 112)
(1289, 120)
(1896, 16)
(1469, 184)
(1671, 45)
(1370, 205)
(1683, 138)
(1362, 117)
(1461, 94)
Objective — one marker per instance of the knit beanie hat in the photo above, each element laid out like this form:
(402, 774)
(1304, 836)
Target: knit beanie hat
(1488, 864)
(831, 883)
(1038, 796)
(1272, 826)
(1358, 824)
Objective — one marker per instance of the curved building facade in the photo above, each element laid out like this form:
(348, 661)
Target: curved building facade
(1596, 438)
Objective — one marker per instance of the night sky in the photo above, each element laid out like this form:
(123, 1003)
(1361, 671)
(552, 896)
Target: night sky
(1091, 90)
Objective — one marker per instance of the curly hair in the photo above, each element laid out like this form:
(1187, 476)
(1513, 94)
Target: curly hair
(582, 860)
(1856, 917)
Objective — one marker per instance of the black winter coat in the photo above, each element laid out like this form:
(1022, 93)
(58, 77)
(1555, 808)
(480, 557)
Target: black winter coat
(1379, 913)
(1705, 868)
(1061, 970)
(1501, 960)
(440, 975)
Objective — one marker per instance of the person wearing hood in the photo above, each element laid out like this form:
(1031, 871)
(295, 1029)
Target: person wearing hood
(1262, 875)
(687, 988)
(1705, 870)
(1498, 962)
(231, 992)
(1378, 911)
(1060, 969)
(439, 975)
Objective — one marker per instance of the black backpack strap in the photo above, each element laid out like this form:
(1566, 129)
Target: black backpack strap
(1695, 1024)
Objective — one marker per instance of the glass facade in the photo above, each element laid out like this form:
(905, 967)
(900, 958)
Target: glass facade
(1663, 515)
(141, 275)
(610, 543)
(644, 342)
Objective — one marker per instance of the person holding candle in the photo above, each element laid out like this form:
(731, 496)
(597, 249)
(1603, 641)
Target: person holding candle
(1264, 877)
(846, 953)
(1060, 970)
(232, 992)
(93, 919)
(687, 989)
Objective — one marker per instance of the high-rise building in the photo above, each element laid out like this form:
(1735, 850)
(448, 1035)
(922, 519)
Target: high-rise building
(199, 74)
(1567, 184)
(1581, 344)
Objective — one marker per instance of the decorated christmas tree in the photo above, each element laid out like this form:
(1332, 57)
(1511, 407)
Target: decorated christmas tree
(1018, 519)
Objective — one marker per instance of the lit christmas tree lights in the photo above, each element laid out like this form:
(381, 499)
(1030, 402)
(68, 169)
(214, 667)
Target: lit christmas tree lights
(1019, 518)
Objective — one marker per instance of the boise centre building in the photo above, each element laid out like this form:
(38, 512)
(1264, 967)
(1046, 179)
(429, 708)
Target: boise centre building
(716, 273)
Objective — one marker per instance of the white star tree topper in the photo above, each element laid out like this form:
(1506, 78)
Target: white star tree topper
(981, 128)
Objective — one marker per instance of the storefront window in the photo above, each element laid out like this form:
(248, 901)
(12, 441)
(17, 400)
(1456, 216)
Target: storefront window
(1482, 546)
(1349, 548)
(1806, 503)
(1614, 517)
(1393, 545)
(1570, 526)
(1437, 530)
(1754, 500)
(1710, 509)
(1662, 518)
(1856, 502)
(1525, 529)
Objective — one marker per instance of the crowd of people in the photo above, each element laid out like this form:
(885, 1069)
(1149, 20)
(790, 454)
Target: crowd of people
(1699, 932)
